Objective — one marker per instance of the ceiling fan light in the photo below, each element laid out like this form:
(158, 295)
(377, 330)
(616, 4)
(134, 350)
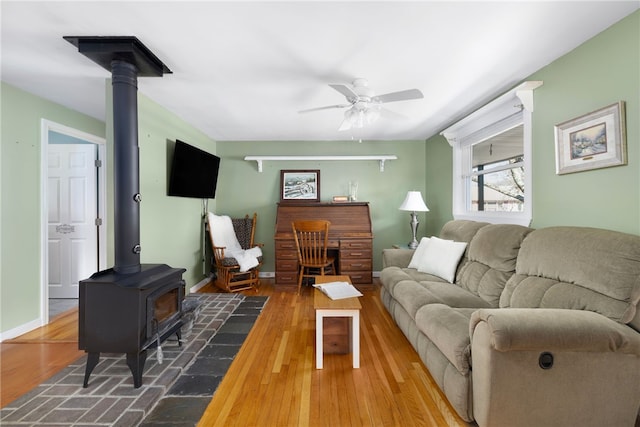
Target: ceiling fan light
(371, 115)
(350, 115)
(360, 119)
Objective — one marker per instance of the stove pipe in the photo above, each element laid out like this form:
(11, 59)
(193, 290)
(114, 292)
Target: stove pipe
(126, 167)
(127, 58)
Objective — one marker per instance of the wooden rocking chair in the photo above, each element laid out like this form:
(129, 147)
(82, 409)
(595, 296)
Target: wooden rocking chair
(228, 236)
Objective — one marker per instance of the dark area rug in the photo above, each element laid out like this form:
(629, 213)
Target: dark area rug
(174, 393)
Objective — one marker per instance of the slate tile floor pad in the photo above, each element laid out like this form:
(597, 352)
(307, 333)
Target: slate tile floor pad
(174, 393)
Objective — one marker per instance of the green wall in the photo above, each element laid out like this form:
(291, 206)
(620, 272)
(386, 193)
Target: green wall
(242, 189)
(601, 72)
(439, 183)
(20, 181)
(171, 227)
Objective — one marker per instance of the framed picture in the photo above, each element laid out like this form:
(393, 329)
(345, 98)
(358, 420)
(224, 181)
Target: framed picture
(592, 141)
(300, 185)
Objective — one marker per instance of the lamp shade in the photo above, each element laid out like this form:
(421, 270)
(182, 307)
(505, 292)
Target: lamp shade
(413, 202)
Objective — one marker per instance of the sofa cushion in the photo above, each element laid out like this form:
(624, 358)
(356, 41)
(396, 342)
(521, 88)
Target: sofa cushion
(461, 231)
(412, 295)
(491, 260)
(391, 276)
(448, 329)
(454, 296)
(577, 268)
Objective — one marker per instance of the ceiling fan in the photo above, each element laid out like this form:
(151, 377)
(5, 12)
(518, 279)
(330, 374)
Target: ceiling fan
(363, 106)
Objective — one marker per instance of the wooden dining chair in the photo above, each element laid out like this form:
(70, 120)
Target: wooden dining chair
(312, 240)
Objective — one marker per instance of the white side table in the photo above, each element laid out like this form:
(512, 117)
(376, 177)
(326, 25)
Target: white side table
(326, 307)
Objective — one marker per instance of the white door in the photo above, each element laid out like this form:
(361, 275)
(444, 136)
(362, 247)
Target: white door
(72, 213)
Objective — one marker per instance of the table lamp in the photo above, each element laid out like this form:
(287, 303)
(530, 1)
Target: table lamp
(413, 202)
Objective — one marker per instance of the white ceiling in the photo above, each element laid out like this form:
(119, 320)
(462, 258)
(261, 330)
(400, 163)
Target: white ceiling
(243, 70)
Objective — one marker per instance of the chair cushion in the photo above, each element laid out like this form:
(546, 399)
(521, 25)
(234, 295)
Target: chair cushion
(243, 228)
(232, 262)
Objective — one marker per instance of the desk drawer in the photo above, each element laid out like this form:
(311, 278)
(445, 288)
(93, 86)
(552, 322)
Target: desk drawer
(285, 245)
(355, 244)
(286, 278)
(287, 255)
(355, 264)
(356, 253)
(286, 265)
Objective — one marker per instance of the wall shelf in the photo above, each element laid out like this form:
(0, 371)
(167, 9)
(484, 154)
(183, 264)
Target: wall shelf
(261, 159)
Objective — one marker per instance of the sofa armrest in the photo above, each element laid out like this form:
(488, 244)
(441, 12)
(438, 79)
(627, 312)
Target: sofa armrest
(516, 329)
(396, 257)
(539, 367)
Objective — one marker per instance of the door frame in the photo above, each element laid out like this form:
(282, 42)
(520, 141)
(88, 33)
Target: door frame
(45, 127)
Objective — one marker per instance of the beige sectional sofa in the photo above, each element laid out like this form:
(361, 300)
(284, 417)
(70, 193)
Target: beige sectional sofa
(540, 327)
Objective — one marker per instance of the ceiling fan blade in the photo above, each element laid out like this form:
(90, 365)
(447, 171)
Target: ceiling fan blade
(388, 114)
(403, 95)
(345, 125)
(345, 90)
(328, 107)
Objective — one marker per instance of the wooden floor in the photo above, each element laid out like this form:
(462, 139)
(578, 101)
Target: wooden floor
(273, 380)
(31, 358)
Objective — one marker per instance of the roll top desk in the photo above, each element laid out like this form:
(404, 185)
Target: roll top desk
(350, 238)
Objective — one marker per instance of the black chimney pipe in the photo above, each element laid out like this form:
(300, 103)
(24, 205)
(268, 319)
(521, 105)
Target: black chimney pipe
(126, 167)
(127, 58)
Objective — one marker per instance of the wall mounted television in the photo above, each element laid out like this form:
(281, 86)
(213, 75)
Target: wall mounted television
(194, 172)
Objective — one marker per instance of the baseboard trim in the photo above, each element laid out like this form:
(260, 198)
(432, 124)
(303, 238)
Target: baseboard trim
(272, 274)
(201, 284)
(22, 329)
(263, 274)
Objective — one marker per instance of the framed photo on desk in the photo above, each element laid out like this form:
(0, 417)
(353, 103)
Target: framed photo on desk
(300, 185)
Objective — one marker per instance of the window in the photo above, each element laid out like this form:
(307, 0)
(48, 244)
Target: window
(492, 160)
(496, 179)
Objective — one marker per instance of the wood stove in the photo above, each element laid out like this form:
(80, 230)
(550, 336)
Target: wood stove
(130, 307)
(128, 313)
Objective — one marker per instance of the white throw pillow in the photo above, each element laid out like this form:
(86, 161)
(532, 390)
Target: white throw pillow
(418, 254)
(441, 258)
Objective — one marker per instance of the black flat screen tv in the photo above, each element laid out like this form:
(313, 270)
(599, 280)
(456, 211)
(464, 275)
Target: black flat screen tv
(194, 172)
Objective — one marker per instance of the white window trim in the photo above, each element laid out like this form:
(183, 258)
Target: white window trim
(490, 120)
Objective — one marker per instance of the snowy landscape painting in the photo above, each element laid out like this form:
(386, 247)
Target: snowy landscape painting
(592, 141)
